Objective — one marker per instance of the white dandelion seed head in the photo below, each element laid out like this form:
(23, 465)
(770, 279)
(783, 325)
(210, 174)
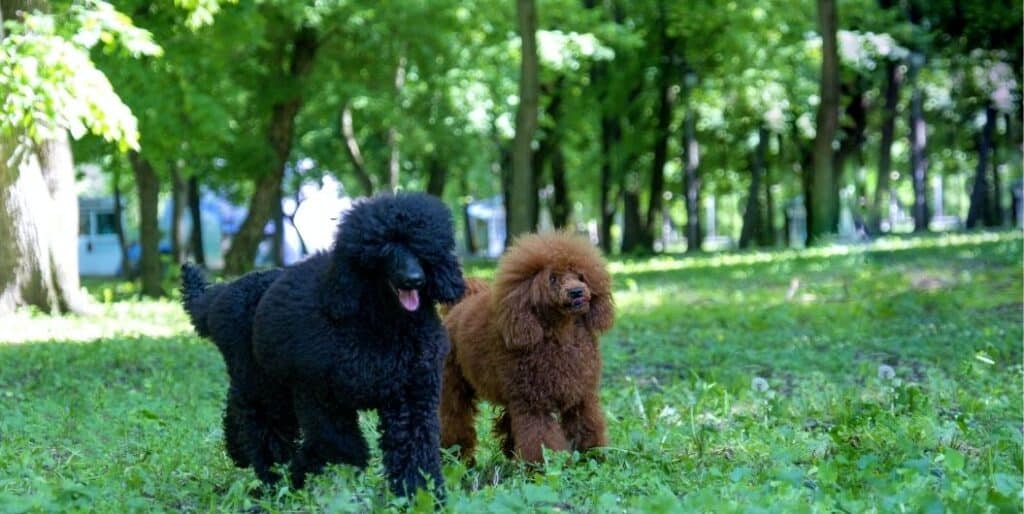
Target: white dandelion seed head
(759, 384)
(886, 372)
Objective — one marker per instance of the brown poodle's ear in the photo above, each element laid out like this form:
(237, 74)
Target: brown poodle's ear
(602, 305)
(519, 326)
(602, 313)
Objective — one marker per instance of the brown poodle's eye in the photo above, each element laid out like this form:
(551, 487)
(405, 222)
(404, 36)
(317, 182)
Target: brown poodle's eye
(581, 277)
(552, 279)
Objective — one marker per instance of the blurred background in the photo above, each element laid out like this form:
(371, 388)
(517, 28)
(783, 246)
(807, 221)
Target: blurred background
(137, 135)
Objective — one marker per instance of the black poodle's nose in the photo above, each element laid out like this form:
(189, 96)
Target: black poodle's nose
(411, 279)
(406, 272)
(576, 292)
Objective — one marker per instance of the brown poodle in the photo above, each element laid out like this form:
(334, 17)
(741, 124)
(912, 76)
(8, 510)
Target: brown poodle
(530, 345)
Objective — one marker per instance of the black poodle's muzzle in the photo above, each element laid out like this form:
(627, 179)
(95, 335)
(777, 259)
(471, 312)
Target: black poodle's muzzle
(406, 278)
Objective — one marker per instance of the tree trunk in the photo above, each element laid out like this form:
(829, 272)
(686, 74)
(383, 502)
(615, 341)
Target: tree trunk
(820, 217)
(468, 228)
(149, 231)
(918, 141)
(611, 133)
(769, 199)
(267, 195)
(504, 170)
(883, 191)
(436, 173)
(197, 220)
(632, 221)
(355, 155)
(560, 207)
(996, 218)
(177, 212)
(853, 131)
(523, 194)
(395, 161)
(38, 215)
(539, 157)
(662, 134)
(691, 182)
(753, 231)
(277, 246)
(39, 226)
(127, 270)
(980, 211)
(467, 223)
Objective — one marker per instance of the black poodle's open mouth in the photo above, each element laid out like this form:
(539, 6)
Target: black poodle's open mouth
(409, 298)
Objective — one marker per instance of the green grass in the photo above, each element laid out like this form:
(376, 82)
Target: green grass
(851, 379)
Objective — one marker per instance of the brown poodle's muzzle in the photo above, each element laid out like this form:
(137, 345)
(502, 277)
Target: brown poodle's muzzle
(575, 296)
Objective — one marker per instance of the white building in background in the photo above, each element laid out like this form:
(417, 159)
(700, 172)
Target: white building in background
(99, 251)
(487, 222)
(311, 221)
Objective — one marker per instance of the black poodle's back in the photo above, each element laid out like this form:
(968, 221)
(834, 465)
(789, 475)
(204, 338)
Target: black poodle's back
(260, 428)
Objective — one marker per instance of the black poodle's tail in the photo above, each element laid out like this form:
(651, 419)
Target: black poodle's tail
(194, 297)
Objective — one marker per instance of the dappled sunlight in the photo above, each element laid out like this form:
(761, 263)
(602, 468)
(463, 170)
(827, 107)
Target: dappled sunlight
(884, 244)
(149, 318)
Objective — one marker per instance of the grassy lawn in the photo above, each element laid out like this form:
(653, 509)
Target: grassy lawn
(870, 379)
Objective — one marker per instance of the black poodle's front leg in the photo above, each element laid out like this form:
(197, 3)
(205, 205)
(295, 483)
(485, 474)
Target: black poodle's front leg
(410, 438)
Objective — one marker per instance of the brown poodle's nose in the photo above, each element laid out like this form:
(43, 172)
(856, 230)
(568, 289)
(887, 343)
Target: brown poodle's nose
(576, 292)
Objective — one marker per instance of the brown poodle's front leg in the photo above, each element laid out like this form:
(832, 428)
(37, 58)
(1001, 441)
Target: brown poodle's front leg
(533, 430)
(458, 410)
(584, 424)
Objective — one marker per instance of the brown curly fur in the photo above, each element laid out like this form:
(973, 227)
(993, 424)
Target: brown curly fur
(523, 346)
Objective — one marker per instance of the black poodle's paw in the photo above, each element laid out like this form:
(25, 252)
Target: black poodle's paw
(268, 477)
(280, 450)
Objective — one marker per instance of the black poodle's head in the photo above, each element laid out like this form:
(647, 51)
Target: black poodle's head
(401, 244)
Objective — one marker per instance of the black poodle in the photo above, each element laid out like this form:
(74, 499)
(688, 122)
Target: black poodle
(308, 346)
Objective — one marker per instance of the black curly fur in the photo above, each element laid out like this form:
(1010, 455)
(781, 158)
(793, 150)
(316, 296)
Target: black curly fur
(309, 346)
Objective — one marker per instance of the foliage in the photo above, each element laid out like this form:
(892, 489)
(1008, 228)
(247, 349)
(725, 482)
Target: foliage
(49, 82)
(857, 379)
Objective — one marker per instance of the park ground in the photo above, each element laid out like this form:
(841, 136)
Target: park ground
(880, 378)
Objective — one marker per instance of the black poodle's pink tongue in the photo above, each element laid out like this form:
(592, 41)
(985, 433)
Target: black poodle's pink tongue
(410, 299)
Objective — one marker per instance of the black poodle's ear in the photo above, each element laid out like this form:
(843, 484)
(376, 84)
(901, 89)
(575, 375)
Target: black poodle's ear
(446, 284)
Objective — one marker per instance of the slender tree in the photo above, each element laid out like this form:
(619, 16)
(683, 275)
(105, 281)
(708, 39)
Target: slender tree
(821, 210)
(148, 185)
(523, 191)
(755, 227)
(918, 142)
(691, 182)
(668, 61)
(266, 199)
(883, 189)
(197, 220)
(980, 211)
(355, 154)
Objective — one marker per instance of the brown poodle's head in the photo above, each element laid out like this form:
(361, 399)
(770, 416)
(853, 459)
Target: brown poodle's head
(547, 279)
